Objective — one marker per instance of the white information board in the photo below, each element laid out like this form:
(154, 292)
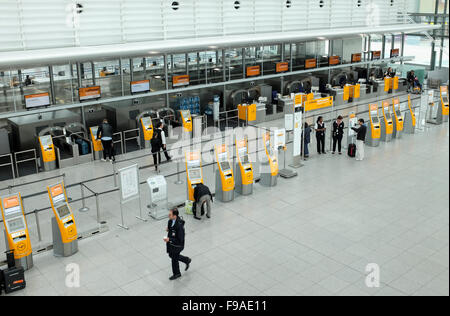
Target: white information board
(129, 183)
(297, 151)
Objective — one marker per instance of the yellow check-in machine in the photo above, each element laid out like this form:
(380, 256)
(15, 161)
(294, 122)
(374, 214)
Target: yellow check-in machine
(244, 168)
(247, 112)
(444, 111)
(398, 118)
(186, 121)
(387, 124)
(373, 135)
(48, 152)
(269, 168)
(409, 125)
(224, 174)
(65, 237)
(16, 230)
(96, 143)
(146, 127)
(194, 172)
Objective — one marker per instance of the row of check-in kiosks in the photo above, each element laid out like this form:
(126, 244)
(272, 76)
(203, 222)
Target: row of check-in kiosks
(17, 236)
(227, 182)
(388, 122)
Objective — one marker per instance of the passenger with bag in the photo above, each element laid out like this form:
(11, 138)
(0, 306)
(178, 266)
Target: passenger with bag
(175, 243)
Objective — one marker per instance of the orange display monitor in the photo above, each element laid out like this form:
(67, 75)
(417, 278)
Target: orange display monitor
(16, 228)
(310, 63)
(282, 67)
(334, 60)
(89, 93)
(37, 100)
(179, 81)
(356, 58)
(253, 71)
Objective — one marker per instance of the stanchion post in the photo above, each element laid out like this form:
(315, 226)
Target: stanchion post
(38, 225)
(83, 208)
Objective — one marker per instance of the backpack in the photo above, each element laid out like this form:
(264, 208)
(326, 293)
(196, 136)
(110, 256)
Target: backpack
(156, 141)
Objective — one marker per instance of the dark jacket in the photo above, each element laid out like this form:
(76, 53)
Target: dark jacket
(360, 132)
(307, 134)
(338, 130)
(104, 130)
(201, 190)
(176, 236)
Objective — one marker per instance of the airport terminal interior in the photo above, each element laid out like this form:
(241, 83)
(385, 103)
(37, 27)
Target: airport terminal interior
(320, 128)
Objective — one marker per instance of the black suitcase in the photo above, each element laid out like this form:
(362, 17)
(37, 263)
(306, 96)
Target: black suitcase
(14, 279)
(352, 150)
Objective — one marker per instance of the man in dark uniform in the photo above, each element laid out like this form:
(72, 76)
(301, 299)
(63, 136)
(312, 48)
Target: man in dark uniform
(175, 243)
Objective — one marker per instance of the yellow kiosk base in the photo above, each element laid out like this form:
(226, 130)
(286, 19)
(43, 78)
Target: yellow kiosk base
(61, 249)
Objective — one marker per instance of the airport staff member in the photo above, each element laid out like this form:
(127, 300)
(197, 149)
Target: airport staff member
(202, 197)
(105, 134)
(320, 135)
(360, 139)
(158, 142)
(338, 134)
(175, 243)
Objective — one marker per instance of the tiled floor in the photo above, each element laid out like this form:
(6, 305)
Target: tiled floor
(311, 235)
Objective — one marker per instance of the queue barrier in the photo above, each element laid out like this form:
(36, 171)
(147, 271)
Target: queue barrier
(10, 163)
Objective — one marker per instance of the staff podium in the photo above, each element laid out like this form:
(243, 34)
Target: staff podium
(16, 230)
(64, 229)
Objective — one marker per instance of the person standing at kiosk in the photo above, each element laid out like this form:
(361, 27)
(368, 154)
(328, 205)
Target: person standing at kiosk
(175, 243)
(320, 135)
(360, 139)
(105, 133)
(338, 134)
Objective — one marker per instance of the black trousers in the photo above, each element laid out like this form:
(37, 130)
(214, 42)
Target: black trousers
(320, 144)
(176, 258)
(107, 149)
(156, 152)
(337, 140)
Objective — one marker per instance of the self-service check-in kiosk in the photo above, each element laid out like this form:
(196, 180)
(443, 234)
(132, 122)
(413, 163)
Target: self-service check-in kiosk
(398, 118)
(186, 121)
(194, 172)
(146, 128)
(96, 143)
(244, 168)
(374, 131)
(48, 152)
(64, 229)
(444, 111)
(269, 168)
(159, 204)
(410, 119)
(16, 230)
(224, 174)
(387, 124)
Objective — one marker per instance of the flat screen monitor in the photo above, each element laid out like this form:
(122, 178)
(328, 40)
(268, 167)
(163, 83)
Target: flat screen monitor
(225, 165)
(195, 174)
(37, 100)
(63, 211)
(16, 224)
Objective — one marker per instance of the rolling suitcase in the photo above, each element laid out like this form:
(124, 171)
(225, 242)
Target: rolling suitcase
(352, 150)
(14, 279)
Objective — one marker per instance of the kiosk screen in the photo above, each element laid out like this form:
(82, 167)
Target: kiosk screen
(16, 224)
(375, 120)
(63, 211)
(195, 174)
(225, 165)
